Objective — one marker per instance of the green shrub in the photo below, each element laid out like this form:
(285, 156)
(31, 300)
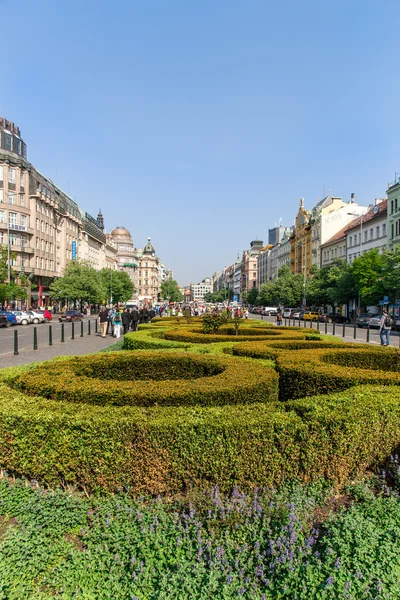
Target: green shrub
(321, 371)
(147, 378)
(228, 334)
(167, 450)
(270, 349)
(150, 339)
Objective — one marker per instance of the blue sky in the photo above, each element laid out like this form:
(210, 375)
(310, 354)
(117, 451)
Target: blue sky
(202, 123)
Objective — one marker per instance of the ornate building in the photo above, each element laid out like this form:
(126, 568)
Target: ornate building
(301, 243)
(127, 256)
(149, 286)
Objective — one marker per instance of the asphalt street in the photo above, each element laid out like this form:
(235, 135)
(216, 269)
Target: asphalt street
(359, 335)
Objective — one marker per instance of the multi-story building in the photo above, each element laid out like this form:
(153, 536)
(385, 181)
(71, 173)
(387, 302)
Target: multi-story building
(368, 231)
(283, 253)
(276, 234)
(327, 218)
(334, 249)
(149, 277)
(199, 290)
(127, 256)
(393, 214)
(264, 272)
(300, 242)
(249, 267)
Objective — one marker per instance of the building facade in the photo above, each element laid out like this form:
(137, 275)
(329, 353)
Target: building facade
(199, 290)
(393, 214)
(368, 231)
(264, 271)
(249, 267)
(301, 242)
(149, 277)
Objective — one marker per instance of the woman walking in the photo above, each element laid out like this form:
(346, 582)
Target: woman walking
(117, 323)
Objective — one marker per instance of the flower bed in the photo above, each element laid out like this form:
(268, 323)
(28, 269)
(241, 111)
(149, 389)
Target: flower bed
(148, 379)
(321, 371)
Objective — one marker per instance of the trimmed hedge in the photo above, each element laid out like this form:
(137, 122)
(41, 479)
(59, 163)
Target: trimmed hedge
(150, 338)
(321, 371)
(167, 450)
(147, 379)
(271, 349)
(196, 336)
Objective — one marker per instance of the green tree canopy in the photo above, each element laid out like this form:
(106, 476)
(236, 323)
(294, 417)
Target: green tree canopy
(368, 271)
(11, 291)
(118, 285)
(170, 290)
(80, 282)
(286, 289)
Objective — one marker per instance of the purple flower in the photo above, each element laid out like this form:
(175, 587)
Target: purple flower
(337, 563)
(229, 580)
(329, 582)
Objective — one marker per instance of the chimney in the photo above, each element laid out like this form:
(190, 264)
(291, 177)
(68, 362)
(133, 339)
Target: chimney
(352, 198)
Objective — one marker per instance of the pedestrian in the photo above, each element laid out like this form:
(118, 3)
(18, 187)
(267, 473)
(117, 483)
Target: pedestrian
(117, 321)
(152, 313)
(110, 321)
(279, 317)
(134, 318)
(103, 318)
(126, 319)
(385, 328)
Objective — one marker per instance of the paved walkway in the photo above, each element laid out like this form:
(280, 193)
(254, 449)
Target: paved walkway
(79, 346)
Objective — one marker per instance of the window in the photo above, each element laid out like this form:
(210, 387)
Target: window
(8, 142)
(42, 226)
(395, 204)
(1, 237)
(1, 196)
(21, 180)
(384, 229)
(392, 230)
(2, 216)
(1, 173)
(37, 262)
(371, 234)
(42, 245)
(391, 207)
(365, 236)
(351, 241)
(378, 231)
(41, 263)
(23, 220)
(11, 175)
(22, 199)
(12, 218)
(11, 198)
(13, 239)
(23, 241)
(37, 224)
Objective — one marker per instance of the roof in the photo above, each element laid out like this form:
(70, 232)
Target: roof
(369, 215)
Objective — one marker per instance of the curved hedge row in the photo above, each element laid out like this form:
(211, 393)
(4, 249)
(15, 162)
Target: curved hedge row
(270, 349)
(167, 450)
(150, 338)
(322, 371)
(194, 336)
(148, 379)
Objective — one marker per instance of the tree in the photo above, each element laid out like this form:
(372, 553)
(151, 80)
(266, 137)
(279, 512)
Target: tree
(170, 290)
(80, 282)
(9, 291)
(118, 284)
(368, 271)
(286, 289)
(252, 296)
(391, 273)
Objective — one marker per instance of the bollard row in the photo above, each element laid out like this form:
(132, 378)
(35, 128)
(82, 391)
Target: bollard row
(50, 339)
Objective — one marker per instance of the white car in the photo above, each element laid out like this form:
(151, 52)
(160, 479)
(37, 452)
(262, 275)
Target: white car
(23, 317)
(37, 316)
(287, 312)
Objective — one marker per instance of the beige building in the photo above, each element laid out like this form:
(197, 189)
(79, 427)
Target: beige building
(249, 267)
(127, 258)
(150, 273)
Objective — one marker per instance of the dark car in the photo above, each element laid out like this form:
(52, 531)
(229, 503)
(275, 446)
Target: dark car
(71, 315)
(10, 317)
(333, 318)
(4, 322)
(364, 319)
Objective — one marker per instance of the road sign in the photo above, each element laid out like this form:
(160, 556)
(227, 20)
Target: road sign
(385, 299)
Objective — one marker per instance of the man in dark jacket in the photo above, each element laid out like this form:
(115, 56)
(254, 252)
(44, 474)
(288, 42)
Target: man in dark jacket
(126, 319)
(110, 321)
(103, 318)
(134, 318)
(145, 315)
(152, 313)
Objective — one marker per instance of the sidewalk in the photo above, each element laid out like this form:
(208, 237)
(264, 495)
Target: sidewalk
(79, 346)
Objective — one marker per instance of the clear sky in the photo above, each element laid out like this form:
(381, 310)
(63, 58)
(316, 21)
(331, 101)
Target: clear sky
(202, 122)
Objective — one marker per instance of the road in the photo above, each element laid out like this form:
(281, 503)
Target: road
(361, 334)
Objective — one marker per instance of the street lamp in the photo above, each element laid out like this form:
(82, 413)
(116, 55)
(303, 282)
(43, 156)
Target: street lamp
(304, 268)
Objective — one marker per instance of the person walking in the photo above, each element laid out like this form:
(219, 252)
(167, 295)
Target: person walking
(385, 328)
(110, 321)
(134, 318)
(279, 317)
(117, 321)
(126, 319)
(103, 318)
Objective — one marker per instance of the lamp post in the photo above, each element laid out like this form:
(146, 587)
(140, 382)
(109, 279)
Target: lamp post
(304, 269)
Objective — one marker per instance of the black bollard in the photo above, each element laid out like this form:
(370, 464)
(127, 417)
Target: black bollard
(15, 342)
(368, 334)
(304, 323)
(50, 335)
(344, 329)
(81, 328)
(35, 338)
(326, 326)
(334, 328)
(62, 333)
(72, 330)
(355, 331)
(285, 322)
(95, 326)
(88, 328)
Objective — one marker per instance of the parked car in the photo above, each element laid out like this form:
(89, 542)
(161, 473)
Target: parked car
(296, 315)
(269, 311)
(309, 315)
(396, 323)
(4, 322)
(363, 319)
(287, 312)
(23, 317)
(333, 318)
(37, 316)
(9, 316)
(375, 321)
(71, 315)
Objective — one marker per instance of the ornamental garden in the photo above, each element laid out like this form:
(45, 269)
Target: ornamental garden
(201, 459)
